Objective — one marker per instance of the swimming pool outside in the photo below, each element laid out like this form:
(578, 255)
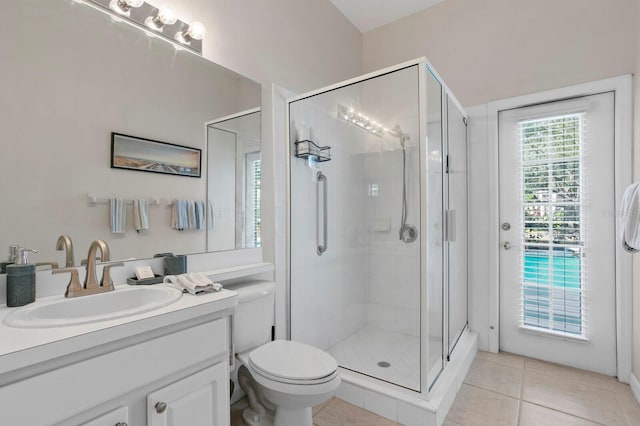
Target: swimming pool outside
(552, 293)
(564, 267)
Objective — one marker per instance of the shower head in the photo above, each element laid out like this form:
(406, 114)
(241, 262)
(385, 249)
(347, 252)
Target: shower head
(397, 132)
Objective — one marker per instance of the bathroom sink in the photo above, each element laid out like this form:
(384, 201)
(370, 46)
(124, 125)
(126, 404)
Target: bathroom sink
(119, 303)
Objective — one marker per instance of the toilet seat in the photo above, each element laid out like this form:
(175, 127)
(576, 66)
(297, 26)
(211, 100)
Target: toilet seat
(293, 363)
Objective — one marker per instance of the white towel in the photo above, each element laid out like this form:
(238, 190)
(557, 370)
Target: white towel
(630, 222)
(193, 283)
(211, 223)
(141, 214)
(118, 215)
(191, 214)
(179, 217)
(200, 215)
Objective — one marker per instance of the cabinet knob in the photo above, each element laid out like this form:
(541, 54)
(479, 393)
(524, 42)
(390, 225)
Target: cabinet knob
(161, 407)
(121, 424)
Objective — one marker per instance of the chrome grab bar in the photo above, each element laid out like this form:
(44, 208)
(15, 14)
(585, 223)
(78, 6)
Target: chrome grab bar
(321, 178)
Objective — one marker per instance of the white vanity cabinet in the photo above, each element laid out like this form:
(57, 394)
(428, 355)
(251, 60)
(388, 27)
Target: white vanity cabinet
(118, 417)
(201, 399)
(184, 366)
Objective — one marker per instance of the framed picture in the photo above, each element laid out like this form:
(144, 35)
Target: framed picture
(146, 155)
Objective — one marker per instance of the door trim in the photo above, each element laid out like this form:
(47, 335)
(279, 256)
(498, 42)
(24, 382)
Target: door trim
(623, 140)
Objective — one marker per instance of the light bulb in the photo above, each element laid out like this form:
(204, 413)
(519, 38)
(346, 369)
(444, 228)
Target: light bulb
(123, 7)
(167, 16)
(164, 17)
(196, 30)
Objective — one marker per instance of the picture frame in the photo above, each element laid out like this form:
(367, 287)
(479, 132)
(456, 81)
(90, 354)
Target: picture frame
(147, 155)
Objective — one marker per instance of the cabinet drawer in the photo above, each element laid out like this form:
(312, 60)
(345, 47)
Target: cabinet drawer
(67, 391)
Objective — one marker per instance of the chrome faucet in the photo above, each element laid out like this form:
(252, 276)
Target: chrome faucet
(91, 285)
(64, 243)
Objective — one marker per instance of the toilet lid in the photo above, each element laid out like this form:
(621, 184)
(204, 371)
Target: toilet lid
(293, 361)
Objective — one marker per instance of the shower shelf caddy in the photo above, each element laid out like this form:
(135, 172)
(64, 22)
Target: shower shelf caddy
(310, 151)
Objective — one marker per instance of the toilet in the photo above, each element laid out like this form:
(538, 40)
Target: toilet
(282, 379)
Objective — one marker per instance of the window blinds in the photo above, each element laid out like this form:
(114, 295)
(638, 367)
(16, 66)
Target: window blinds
(552, 269)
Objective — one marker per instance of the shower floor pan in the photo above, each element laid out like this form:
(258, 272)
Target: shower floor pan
(385, 355)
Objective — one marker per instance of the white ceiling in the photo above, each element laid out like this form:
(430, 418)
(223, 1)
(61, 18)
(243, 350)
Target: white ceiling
(367, 15)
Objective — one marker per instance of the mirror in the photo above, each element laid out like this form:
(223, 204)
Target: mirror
(233, 150)
(76, 77)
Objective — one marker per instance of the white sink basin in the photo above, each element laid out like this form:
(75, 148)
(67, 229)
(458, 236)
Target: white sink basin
(122, 302)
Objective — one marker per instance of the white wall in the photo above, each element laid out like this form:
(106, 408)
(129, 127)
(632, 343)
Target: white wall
(297, 44)
(494, 49)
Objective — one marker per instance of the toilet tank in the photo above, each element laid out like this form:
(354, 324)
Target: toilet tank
(254, 316)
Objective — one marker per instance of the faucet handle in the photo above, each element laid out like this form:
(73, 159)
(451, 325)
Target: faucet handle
(74, 288)
(106, 274)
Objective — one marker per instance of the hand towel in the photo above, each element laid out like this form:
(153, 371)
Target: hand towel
(630, 222)
(187, 283)
(200, 215)
(191, 215)
(178, 215)
(211, 224)
(118, 215)
(141, 214)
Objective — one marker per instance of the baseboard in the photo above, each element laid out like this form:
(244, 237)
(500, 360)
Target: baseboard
(635, 386)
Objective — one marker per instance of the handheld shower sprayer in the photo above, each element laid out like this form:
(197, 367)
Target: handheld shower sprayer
(407, 233)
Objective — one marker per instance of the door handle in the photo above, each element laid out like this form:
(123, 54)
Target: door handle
(507, 245)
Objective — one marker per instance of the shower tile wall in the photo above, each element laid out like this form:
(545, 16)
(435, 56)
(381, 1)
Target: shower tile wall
(394, 266)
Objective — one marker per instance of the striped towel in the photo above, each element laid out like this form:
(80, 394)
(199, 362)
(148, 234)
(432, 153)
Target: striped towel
(141, 214)
(179, 215)
(187, 214)
(118, 215)
(200, 215)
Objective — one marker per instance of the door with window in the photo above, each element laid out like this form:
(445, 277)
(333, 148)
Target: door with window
(557, 232)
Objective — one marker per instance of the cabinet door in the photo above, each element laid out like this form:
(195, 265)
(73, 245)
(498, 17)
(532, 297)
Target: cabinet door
(201, 399)
(118, 417)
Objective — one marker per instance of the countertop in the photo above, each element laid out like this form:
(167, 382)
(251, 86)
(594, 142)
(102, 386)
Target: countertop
(23, 347)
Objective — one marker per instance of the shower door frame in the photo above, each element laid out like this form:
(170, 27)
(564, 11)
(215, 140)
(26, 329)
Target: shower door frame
(423, 68)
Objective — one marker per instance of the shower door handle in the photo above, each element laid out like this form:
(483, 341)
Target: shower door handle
(321, 179)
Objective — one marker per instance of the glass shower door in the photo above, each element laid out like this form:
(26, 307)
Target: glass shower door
(355, 214)
(456, 223)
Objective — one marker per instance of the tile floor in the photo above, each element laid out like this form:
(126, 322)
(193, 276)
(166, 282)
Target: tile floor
(505, 389)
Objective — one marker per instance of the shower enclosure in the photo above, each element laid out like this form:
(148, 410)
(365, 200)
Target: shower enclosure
(377, 224)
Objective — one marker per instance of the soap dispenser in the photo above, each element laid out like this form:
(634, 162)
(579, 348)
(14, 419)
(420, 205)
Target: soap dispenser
(21, 280)
(13, 254)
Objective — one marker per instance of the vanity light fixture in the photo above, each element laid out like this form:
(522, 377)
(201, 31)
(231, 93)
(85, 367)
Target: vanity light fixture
(123, 7)
(196, 31)
(161, 22)
(164, 17)
(352, 116)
